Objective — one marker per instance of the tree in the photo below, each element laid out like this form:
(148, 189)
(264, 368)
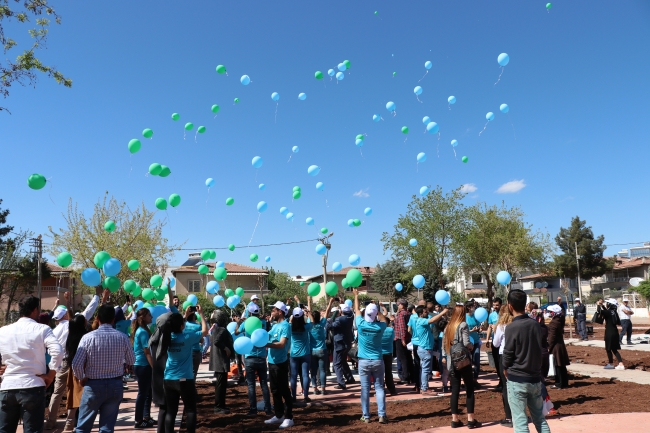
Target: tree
(281, 288)
(498, 239)
(137, 236)
(4, 228)
(434, 220)
(24, 69)
(590, 252)
(643, 289)
(387, 275)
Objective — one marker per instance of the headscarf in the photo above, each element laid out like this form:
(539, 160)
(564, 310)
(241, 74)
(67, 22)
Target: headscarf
(555, 310)
(221, 318)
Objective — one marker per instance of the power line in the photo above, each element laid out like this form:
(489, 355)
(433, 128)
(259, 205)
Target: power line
(247, 246)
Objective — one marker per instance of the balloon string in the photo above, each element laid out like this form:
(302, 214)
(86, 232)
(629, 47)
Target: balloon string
(361, 152)
(184, 132)
(449, 106)
(418, 98)
(454, 149)
(50, 192)
(196, 135)
(425, 74)
(289, 158)
(499, 79)
(513, 127)
(438, 149)
(326, 203)
(215, 116)
(130, 164)
(276, 112)
(206, 200)
(258, 221)
(486, 124)
(394, 113)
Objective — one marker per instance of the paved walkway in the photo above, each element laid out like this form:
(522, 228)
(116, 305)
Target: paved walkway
(641, 343)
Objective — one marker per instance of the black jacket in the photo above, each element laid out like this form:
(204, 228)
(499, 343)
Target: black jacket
(522, 353)
(580, 309)
(342, 330)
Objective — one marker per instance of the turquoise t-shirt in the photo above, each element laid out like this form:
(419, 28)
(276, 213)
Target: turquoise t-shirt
(493, 318)
(318, 335)
(471, 323)
(423, 330)
(179, 355)
(123, 326)
(370, 337)
(193, 327)
(300, 345)
(257, 352)
(279, 331)
(387, 341)
(414, 335)
(141, 342)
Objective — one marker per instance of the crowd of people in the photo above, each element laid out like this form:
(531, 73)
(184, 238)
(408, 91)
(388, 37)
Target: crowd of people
(86, 356)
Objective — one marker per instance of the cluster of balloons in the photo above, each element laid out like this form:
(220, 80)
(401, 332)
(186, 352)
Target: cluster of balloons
(174, 200)
(296, 193)
(208, 255)
(358, 141)
(356, 222)
(156, 169)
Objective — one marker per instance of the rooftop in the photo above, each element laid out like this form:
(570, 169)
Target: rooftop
(231, 268)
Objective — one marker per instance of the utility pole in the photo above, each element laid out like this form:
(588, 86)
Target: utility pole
(325, 241)
(37, 250)
(578, 265)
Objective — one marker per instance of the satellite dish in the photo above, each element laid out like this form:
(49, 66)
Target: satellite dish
(536, 289)
(634, 282)
(545, 284)
(538, 285)
(543, 290)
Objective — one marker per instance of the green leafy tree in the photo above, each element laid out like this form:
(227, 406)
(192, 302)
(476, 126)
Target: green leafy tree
(4, 228)
(281, 288)
(24, 69)
(643, 289)
(387, 275)
(590, 252)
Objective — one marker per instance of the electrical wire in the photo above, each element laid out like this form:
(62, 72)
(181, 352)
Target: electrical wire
(246, 246)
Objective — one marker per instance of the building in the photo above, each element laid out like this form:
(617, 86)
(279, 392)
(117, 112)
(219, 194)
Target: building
(624, 269)
(365, 287)
(550, 287)
(635, 252)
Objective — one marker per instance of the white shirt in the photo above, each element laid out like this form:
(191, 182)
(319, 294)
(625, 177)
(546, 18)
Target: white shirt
(624, 312)
(499, 338)
(62, 329)
(22, 346)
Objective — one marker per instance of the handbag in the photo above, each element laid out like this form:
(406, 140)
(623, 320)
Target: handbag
(551, 365)
(598, 318)
(460, 355)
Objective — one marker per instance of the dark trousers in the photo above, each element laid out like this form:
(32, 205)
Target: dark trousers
(626, 328)
(417, 367)
(561, 376)
(196, 361)
(143, 400)
(581, 322)
(476, 360)
(174, 391)
(341, 366)
(497, 363)
(25, 403)
(282, 401)
(406, 360)
(220, 385)
(504, 391)
(456, 376)
(388, 373)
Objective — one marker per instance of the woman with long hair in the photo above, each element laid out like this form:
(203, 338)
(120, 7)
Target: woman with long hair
(143, 363)
(318, 347)
(557, 347)
(300, 352)
(77, 329)
(179, 373)
(505, 318)
(456, 345)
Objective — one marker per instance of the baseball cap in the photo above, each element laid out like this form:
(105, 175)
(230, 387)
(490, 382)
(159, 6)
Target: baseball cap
(334, 310)
(577, 300)
(280, 306)
(370, 313)
(612, 301)
(59, 312)
(626, 300)
(254, 297)
(297, 312)
(555, 308)
(254, 309)
(345, 308)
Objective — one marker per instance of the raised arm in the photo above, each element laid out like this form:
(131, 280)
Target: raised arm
(356, 302)
(204, 324)
(438, 316)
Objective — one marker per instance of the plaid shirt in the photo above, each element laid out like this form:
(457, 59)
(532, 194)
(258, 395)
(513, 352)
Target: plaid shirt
(401, 327)
(102, 354)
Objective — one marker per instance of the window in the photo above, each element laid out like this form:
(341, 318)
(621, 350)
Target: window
(194, 286)
(477, 278)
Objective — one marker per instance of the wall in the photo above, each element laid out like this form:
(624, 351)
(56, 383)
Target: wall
(249, 283)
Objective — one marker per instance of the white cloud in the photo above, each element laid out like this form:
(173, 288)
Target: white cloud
(363, 193)
(512, 186)
(468, 188)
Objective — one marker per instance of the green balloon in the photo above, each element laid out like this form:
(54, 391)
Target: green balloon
(186, 305)
(136, 292)
(156, 281)
(221, 69)
(465, 159)
(203, 269)
(296, 195)
(36, 181)
(215, 108)
(239, 291)
(394, 73)
(201, 129)
(354, 277)
(148, 294)
(548, 5)
(161, 203)
(345, 283)
(405, 130)
(347, 64)
(205, 255)
(129, 310)
(164, 171)
(360, 136)
(64, 259)
(324, 230)
(189, 126)
(220, 274)
(213, 254)
(147, 305)
(155, 169)
(375, 12)
(101, 258)
(230, 201)
(160, 294)
(236, 100)
(331, 288)
(176, 116)
(174, 200)
(313, 289)
(129, 286)
(231, 247)
(147, 133)
(253, 257)
(252, 324)
(228, 293)
(356, 222)
(318, 75)
(134, 145)
(296, 188)
(134, 265)
(113, 284)
(302, 283)
(109, 226)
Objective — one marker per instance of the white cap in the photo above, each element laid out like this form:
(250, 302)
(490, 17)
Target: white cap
(254, 297)
(280, 306)
(297, 312)
(612, 301)
(370, 313)
(59, 312)
(345, 308)
(334, 310)
(254, 309)
(577, 300)
(626, 300)
(555, 308)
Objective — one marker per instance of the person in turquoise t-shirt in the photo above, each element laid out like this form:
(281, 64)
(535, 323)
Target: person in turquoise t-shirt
(142, 368)
(415, 342)
(279, 337)
(179, 375)
(370, 331)
(300, 360)
(493, 318)
(387, 345)
(425, 349)
(319, 355)
(255, 362)
(474, 328)
(190, 327)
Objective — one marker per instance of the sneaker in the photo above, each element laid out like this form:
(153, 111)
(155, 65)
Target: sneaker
(609, 367)
(350, 381)
(317, 391)
(383, 420)
(221, 411)
(252, 412)
(364, 419)
(286, 423)
(473, 424)
(50, 425)
(152, 422)
(456, 424)
(506, 422)
(619, 367)
(343, 387)
(140, 425)
(629, 343)
(274, 420)
(307, 400)
(552, 412)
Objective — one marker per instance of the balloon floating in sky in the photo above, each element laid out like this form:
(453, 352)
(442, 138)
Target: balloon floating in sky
(209, 182)
(422, 157)
(267, 259)
(253, 257)
(503, 277)
(417, 90)
(318, 75)
(161, 203)
(424, 191)
(347, 64)
(147, 133)
(358, 142)
(504, 108)
(549, 6)
(245, 80)
(324, 230)
(134, 145)
(302, 96)
(418, 281)
(350, 223)
(405, 130)
(284, 210)
(394, 74)
(261, 206)
(454, 143)
(313, 170)
(336, 266)
(189, 126)
(413, 242)
(309, 221)
(465, 159)
(262, 187)
(341, 67)
(201, 129)
(376, 117)
(164, 171)
(331, 72)
(399, 287)
(295, 149)
(451, 100)
(257, 161)
(428, 64)
(390, 106)
(490, 116)
(433, 128)
(340, 76)
(36, 181)
(215, 109)
(221, 69)
(176, 116)
(289, 216)
(503, 60)
(230, 201)
(236, 100)
(320, 186)
(321, 249)
(354, 259)
(367, 211)
(275, 96)
(426, 120)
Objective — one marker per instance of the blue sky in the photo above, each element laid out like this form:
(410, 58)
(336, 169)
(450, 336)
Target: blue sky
(576, 135)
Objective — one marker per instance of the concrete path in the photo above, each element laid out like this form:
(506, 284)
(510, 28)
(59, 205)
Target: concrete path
(641, 343)
(637, 376)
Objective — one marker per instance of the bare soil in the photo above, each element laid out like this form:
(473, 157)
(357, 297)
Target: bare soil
(632, 359)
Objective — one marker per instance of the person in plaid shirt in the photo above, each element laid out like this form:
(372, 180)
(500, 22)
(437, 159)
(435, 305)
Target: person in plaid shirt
(402, 339)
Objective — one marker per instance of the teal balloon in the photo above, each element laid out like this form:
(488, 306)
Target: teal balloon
(257, 161)
(503, 59)
(503, 278)
(418, 281)
(433, 128)
(422, 157)
(451, 100)
(490, 116)
(424, 191)
(275, 96)
(504, 108)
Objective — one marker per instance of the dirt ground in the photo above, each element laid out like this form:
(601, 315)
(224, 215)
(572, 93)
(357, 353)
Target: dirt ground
(595, 355)
(584, 396)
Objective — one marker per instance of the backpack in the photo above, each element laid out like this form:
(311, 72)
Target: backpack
(460, 355)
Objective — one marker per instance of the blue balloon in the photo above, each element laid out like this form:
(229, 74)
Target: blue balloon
(261, 206)
(220, 264)
(481, 314)
(232, 326)
(418, 281)
(454, 143)
(367, 211)
(503, 59)
(260, 337)
(156, 311)
(359, 142)
(310, 221)
(91, 277)
(243, 345)
(313, 170)
(413, 242)
(422, 157)
(433, 128)
(504, 108)
(302, 96)
(451, 99)
(390, 106)
(218, 301)
(428, 64)
(295, 149)
(417, 90)
(442, 297)
(399, 287)
(340, 76)
(424, 191)
(209, 182)
(426, 120)
(267, 259)
(320, 186)
(232, 301)
(350, 223)
(212, 287)
(354, 259)
(336, 266)
(284, 210)
(112, 267)
(257, 161)
(172, 282)
(137, 305)
(376, 117)
(289, 216)
(275, 96)
(321, 249)
(341, 67)
(490, 116)
(245, 80)
(503, 278)
(331, 72)
(193, 299)
(348, 302)
(262, 187)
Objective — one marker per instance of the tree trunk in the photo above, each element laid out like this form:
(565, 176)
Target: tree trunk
(490, 292)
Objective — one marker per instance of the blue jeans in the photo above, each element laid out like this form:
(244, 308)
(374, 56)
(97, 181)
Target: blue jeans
(101, 396)
(300, 365)
(476, 360)
(257, 366)
(521, 395)
(426, 361)
(28, 403)
(626, 329)
(374, 368)
(582, 326)
(318, 363)
(143, 400)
